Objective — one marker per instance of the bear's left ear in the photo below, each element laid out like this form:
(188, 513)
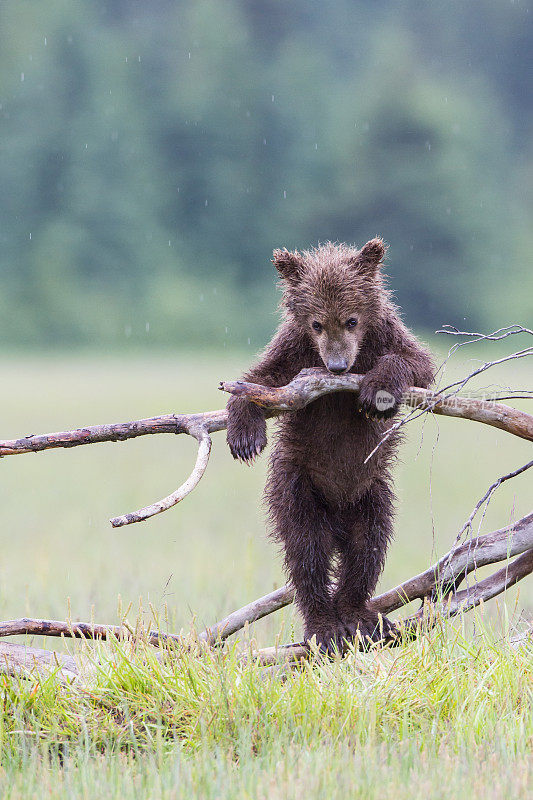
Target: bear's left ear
(370, 256)
(289, 265)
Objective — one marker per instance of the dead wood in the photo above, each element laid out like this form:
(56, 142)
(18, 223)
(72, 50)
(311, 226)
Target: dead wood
(19, 660)
(306, 387)
(436, 588)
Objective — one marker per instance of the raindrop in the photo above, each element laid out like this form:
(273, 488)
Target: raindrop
(45, 41)
(273, 98)
(139, 59)
(147, 327)
(428, 145)
(22, 77)
(206, 203)
(30, 237)
(248, 340)
(284, 194)
(169, 242)
(264, 141)
(226, 329)
(189, 56)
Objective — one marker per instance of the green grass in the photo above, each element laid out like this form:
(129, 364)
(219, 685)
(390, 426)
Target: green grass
(441, 714)
(449, 713)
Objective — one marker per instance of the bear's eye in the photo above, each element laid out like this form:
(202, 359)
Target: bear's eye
(317, 326)
(351, 323)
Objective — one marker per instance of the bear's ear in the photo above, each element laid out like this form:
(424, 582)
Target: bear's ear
(370, 257)
(289, 265)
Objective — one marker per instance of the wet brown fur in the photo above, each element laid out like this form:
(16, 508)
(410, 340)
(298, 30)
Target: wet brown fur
(332, 513)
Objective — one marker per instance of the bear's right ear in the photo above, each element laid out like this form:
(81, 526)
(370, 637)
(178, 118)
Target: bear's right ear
(370, 257)
(289, 265)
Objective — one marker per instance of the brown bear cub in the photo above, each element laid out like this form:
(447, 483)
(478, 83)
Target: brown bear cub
(332, 512)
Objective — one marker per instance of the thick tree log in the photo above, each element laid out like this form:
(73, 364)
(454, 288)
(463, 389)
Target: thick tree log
(17, 659)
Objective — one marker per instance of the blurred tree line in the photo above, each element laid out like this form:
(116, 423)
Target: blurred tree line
(153, 155)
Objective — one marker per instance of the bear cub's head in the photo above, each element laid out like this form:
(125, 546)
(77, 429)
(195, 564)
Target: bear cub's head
(335, 294)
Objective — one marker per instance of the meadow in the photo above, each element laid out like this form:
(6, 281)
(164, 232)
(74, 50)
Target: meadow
(450, 712)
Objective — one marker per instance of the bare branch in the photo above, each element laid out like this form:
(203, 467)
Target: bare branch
(458, 562)
(501, 333)
(202, 459)
(492, 586)
(487, 549)
(501, 545)
(310, 384)
(81, 630)
(117, 432)
(249, 613)
(486, 498)
(307, 386)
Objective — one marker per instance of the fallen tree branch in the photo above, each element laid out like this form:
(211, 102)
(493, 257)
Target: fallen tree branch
(82, 630)
(490, 548)
(462, 602)
(202, 459)
(19, 660)
(436, 586)
(249, 613)
(307, 386)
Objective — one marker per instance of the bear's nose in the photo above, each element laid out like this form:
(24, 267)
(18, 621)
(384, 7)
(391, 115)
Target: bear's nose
(337, 365)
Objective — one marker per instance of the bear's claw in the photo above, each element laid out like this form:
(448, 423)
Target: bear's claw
(369, 627)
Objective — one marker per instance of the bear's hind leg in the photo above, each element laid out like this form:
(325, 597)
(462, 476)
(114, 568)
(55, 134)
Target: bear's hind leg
(301, 522)
(362, 546)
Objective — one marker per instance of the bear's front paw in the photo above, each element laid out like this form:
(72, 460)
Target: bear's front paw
(246, 435)
(377, 401)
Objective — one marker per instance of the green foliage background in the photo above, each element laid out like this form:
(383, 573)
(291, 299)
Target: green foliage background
(153, 155)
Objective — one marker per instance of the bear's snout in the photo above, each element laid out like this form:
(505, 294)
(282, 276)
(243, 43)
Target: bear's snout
(337, 365)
